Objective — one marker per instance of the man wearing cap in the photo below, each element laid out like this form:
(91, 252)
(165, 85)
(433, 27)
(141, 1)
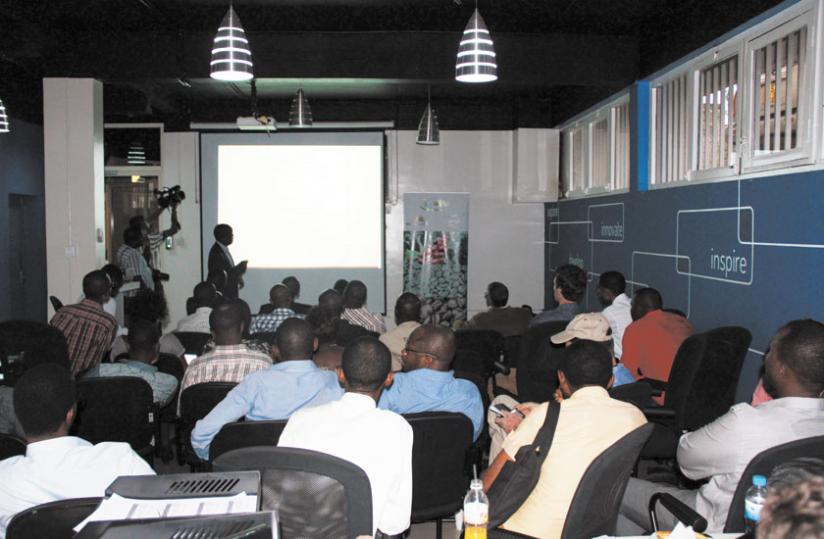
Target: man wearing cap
(587, 326)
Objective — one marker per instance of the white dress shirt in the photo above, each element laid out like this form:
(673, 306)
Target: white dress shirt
(61, 468)
(197, 322)
(619, 318)
(722, 449)
(378, 441)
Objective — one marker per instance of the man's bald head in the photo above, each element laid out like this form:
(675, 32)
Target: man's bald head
(644, 301)
(407, 308)
(295, 340)
(226, 322)
(281, 296)
(293, 284)
(354, 296)
(435, 342)
(204, 294)
(331, 301)
(97, 286)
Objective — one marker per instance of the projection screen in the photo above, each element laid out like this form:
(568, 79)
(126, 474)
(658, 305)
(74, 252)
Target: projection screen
(304, 204)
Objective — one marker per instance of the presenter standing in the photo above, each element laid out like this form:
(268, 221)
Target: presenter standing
(221, 259)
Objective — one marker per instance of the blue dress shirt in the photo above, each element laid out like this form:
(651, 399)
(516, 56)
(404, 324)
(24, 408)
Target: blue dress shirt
(622, 375)
(273, 393)
(428, 390)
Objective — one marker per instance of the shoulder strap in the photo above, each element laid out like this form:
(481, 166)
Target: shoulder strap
(543, 440)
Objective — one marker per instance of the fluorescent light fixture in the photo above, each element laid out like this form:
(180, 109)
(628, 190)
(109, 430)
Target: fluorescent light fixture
(4, 119)
(231, 57)
(476, 53)
(300, 114)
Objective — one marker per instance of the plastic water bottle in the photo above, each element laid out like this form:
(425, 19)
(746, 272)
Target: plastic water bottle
(754, 501)
(476, 511)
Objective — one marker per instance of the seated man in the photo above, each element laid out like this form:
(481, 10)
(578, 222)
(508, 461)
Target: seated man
(57, 466)
(721, 450)
(352, 428)
(508, 321)
(330, 304)
(652, 340)
(407, 319)
(148, 306)
(230, 360)
(88, 329)
(143, 354)
(354, 301)
(427, 384)
(569, 286)
(292, 383)
(293, 285)
(590, 421)
(281, 299)
(204, 300)
(610, 292)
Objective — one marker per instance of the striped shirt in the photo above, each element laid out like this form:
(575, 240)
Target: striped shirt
(229, 363)
(133, 264)
(89, 332)
(269, 323)
(362, 317)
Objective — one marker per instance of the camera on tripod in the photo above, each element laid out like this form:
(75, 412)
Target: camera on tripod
(169, 197)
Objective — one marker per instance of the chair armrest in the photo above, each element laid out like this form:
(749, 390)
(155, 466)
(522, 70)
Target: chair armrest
(654, 384)
(679, 510)
(659, 413)
(498, 391)
(501, 367)
(499, 533)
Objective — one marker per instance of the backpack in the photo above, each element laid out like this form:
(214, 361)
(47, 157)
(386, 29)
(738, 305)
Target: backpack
(517, 479)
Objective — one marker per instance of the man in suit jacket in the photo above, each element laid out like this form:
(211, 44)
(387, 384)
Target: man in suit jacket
(220, 259)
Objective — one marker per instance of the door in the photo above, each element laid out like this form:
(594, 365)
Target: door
(27, 267)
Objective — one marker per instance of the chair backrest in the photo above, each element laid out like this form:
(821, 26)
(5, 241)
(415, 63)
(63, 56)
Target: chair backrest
(487, 343)
(242, 434)
(512, 345)
(763, 464)
(54, 520)
(594, 508)
(704, 376)
(192, 341)
(440, 479)
(55, 303)
(115, 409)
(195, 403)
(316, 495)
(264, 336)
(171, 364)
(11, 446)
(537, 376)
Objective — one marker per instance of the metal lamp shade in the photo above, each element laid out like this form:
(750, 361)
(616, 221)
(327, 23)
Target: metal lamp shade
(231, 57)
(476, 53)
(4, 119)
(428, 132)
(300, 114)
(136, 154)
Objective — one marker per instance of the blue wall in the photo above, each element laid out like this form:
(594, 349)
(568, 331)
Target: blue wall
(770, 230)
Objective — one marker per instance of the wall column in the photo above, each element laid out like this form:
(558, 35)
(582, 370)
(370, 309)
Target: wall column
(73, 150)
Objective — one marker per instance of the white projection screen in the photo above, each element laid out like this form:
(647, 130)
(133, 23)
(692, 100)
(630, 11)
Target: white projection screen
(304, 204)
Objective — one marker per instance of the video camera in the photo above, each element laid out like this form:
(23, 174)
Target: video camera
(169, 197)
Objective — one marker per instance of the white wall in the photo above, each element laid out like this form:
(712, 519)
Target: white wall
(73, 150)
(505, 239)
(179, 154)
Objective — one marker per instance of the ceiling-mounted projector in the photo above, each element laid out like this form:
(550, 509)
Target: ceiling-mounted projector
(261, 122)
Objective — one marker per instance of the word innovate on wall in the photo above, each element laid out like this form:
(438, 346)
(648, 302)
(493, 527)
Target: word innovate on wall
(612, 231)
(576, 261)
(728, 263)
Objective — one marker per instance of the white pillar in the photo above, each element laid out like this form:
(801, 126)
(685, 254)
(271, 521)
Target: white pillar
(73, 150)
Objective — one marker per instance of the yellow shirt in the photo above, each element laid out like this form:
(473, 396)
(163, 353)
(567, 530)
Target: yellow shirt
(590, 422)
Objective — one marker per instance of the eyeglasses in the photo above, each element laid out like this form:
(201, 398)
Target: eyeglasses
(421, 352)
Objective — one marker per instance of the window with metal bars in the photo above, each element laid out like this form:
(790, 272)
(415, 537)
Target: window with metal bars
(599, 154)
(620, 146)
(717, 115)
(670, 130)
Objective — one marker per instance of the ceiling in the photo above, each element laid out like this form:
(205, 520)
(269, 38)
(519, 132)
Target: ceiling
(356, 59)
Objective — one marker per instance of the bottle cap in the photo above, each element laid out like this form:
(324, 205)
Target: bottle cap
(759, 481)
(478, 484)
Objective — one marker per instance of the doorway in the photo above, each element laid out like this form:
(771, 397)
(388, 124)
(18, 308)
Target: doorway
(27, 262)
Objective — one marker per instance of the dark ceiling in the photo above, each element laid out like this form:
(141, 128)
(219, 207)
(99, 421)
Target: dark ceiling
(356, 59)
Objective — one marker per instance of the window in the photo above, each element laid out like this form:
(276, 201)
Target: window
(599, 150)
(578, 160)
(620, 146)
(779, 92)
(717, 115)
(670, 130)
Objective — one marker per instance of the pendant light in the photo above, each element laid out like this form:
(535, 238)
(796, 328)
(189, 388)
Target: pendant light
(428, 132)
(300, 113)
(231, 57)
(476, 53)
(136, 154)
(4, 119)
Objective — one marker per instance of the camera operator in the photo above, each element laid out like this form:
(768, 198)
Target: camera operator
(167, 198)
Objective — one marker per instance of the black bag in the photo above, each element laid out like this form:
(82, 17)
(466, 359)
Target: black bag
(517, 479)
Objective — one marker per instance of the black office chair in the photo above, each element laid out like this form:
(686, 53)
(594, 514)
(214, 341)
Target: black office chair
(489, 345)
(11, 446)
(242, 434)
(195, 403)
(264, 336)
(192, 341)
(317, 496)
(21, 338)
(537, 376)
(117, 409)
(594, 508)
(55, 303)
(440, 478)
(54, 520)
(512, 345)
(761, 464)
(701, 387)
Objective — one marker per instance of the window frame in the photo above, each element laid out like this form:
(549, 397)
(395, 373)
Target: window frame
(685, 71)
